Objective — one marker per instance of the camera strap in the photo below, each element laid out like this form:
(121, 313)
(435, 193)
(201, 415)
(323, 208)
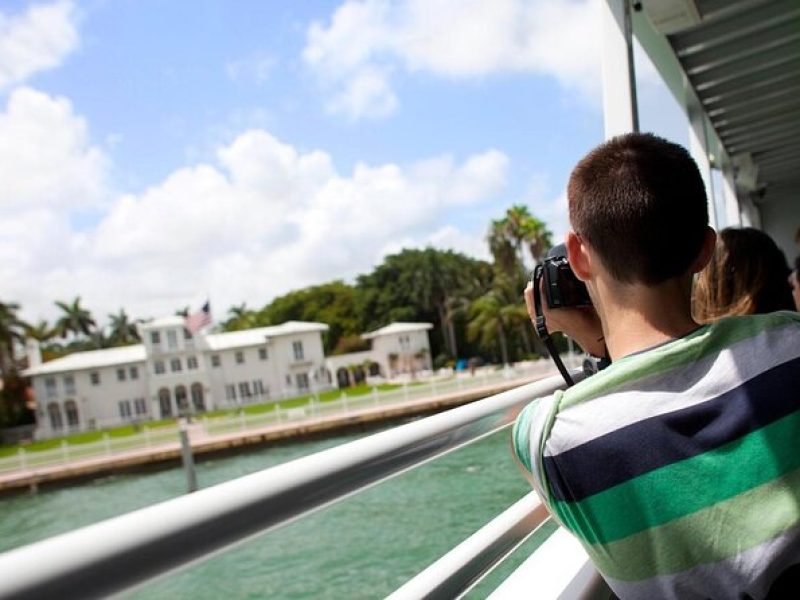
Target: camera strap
(540, 325)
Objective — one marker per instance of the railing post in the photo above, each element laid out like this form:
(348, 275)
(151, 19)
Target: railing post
(64, 450)
(405, 390)
(344, 400)
(374, 395)
(458, 382)
(106, 443)
(23, 464)
(146, 436)
(241, 420)
(433, 386)
(278, 412)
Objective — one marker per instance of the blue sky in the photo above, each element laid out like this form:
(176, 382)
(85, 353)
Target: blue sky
(159, 152)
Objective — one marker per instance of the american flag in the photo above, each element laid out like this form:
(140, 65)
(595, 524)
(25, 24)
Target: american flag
(196, 321)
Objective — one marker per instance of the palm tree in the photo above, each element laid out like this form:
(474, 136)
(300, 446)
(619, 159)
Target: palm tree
(539, 239)
(516, 230)
(11, 331)
(502, 249)
(76, 320)
(41, 332)
(239, 317)
(495, 315)
(123, 330)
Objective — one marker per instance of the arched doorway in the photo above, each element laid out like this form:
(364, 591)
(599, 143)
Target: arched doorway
(54, 412)
(71, 408)
(374, 369)
(358, 374)
(197, 397)
(342, 377)
(165, 403)
(181, 399)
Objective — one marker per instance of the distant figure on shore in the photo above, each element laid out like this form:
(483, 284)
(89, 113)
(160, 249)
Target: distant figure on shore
(747, 275)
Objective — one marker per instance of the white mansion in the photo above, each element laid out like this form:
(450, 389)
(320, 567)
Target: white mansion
(174, 372)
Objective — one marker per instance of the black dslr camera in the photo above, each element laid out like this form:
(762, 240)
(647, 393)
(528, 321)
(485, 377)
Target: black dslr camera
(561, 287)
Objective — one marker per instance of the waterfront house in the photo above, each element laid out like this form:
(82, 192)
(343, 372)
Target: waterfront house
(173, 372)
(398, 349)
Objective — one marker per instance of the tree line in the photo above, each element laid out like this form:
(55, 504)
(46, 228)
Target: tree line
(475, 306)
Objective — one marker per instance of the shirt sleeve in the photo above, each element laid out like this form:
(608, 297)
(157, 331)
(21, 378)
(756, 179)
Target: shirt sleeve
(528, 436)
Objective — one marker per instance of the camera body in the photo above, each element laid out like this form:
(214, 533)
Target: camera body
(561, 288)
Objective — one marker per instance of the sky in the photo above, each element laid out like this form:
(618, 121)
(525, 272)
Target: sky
(157, 154)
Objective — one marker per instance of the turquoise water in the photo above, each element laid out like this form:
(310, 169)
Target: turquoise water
(363, 547)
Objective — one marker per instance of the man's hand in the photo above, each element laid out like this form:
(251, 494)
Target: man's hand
(581, 323)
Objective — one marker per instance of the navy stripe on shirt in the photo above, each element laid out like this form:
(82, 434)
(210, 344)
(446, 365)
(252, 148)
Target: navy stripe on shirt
(646, 445)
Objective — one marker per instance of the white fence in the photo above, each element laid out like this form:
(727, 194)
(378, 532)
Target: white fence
(153, 437)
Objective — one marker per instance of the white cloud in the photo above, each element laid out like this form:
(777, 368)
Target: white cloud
(45, 156)
(263, 218)
(37, 40)
(366, 40)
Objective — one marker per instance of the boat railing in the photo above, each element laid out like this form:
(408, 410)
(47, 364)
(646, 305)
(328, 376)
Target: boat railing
(120, 553)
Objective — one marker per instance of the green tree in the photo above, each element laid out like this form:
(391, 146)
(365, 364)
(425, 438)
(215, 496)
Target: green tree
(240, 317)
(123, 331)
(495, 316)
(12, 331)
(76, 320)
(517, 230)
(423, 285)
(332, 303)
(41, 331)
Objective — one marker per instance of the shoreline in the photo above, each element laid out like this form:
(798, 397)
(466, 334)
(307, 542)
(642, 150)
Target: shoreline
(204, 444)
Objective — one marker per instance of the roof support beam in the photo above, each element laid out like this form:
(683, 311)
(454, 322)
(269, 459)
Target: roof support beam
(620, 111)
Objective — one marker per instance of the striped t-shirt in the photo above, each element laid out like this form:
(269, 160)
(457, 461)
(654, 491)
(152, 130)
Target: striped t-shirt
(678, 468)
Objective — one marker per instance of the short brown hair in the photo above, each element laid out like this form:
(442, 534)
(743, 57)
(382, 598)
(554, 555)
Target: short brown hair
(748, 274)
(640, 202)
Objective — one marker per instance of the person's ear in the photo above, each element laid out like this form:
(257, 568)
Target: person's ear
(578, 256)
(706, 251)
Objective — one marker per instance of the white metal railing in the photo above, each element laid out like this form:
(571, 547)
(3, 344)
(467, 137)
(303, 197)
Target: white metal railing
(122, 552)
(152, 437)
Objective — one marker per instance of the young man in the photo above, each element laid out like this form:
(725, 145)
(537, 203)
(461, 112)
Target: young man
(678, 466)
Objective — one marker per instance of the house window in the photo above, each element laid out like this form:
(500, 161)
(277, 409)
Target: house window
(69, 385)
(72, 413)
(244, 389)
(230, 392)
(158, 367)
(187, 335)
(215, 362)
(54, 412)
(175, 365)
(94, 377)
(288, 380)
(258, 387)
(155, 338)
(134, 372)
(191, 362)
(302, 381)
(262, 353)
(125, 409)
(120, 374)
(239, 357)
(50, 387)
(297, 347)
(172, 340)
(140, 406)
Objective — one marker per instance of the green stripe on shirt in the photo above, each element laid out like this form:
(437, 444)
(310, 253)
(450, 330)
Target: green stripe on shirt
(722, 531)
(521, 435)
(681, 488)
